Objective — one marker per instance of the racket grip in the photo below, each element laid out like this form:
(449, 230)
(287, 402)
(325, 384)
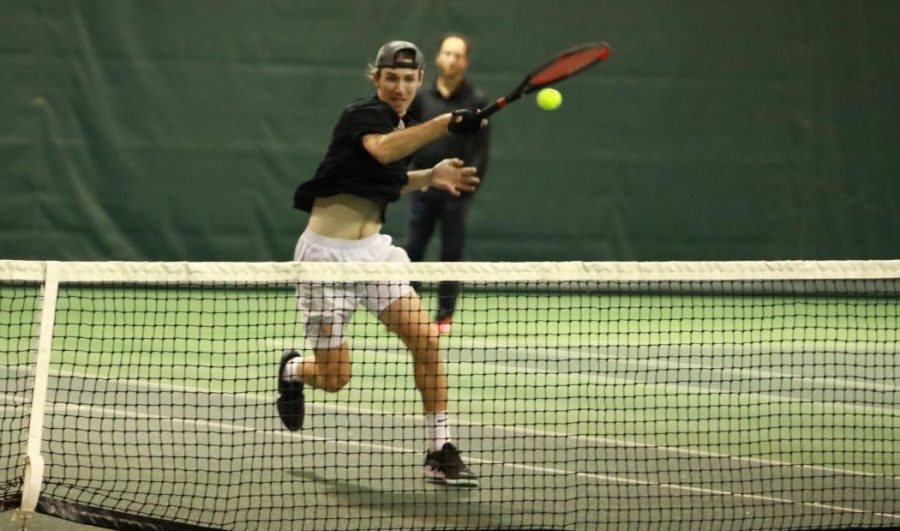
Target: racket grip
(492, 108)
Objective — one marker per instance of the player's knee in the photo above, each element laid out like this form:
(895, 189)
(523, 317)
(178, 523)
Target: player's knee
(334, 375)
(428, 353)
(433, 343)
(424, 347)
(426, 338)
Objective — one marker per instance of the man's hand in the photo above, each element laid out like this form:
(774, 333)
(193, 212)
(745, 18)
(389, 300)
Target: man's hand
(465, 122)
(454, 177)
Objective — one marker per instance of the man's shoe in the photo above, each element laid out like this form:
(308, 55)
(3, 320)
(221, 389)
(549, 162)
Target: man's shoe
(444, 325)
(446, 467)
(290, 396)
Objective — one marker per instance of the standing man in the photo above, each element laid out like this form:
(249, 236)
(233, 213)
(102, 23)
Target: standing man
(450, 90)
(365, 169)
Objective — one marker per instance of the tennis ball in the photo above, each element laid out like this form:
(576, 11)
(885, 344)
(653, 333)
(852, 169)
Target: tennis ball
(549, 99)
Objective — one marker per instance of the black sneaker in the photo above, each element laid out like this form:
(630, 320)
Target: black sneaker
(290, 396)
(446, 467)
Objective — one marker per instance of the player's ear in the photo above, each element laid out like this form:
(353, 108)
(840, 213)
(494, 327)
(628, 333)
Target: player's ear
(421, 75)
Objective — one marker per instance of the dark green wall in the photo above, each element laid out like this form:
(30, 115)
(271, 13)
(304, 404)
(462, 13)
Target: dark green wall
(177, 130)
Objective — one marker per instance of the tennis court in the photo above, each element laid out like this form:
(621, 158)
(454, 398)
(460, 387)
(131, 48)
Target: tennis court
(681, 273)
(577, 410)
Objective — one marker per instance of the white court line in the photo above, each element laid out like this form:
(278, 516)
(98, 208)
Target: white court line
(564, 352)
(416, 419)
(698, 390)
(831, 382)
(64, 408)
(709, 348)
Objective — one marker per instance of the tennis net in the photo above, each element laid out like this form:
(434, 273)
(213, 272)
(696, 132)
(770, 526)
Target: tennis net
(707, 395)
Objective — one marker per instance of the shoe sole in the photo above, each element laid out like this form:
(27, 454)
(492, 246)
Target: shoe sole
(430, 477)
(459, 483)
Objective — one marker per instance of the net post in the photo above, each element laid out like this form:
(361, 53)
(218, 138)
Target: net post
(34, 461)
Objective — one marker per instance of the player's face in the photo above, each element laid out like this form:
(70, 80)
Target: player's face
(397, 87)
(453, 58)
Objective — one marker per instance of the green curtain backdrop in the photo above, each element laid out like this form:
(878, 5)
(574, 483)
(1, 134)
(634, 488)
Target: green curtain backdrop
(717, 130)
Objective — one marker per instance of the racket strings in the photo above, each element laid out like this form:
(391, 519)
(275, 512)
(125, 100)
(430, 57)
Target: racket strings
(568, 64)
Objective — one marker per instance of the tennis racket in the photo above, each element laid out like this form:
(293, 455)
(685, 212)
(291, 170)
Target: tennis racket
(567, 64)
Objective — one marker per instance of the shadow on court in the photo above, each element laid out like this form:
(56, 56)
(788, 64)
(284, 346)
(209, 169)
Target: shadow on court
(436, 505)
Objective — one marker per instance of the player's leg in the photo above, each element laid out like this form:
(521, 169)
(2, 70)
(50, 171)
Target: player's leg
(453, 240)
(423, 217)
(400, 309)
(324, 309)
(406, 318)
(327, 368)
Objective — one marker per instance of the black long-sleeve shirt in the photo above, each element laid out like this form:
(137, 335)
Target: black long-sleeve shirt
(473, 150)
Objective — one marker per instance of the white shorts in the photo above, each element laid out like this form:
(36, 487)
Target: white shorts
(326, 307)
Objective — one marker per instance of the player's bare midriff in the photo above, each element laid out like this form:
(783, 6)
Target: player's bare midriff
(345, 216)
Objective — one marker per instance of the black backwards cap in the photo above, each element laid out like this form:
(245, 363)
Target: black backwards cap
(387, 55)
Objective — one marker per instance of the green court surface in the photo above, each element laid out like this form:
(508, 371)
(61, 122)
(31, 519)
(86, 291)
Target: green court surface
(578, 411)
(40, 522)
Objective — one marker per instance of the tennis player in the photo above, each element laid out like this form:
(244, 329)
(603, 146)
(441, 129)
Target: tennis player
(365, 169)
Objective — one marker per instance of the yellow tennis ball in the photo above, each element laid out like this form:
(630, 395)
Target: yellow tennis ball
(549, 99)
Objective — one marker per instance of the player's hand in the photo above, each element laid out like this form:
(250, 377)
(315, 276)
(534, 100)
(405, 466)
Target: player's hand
(465, 122)
(454, 176)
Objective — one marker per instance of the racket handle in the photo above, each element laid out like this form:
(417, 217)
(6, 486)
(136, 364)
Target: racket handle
(492, 108)
(499, 104)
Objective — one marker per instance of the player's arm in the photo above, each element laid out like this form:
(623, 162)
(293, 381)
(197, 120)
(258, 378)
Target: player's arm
(388, 147)
(451, 175)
